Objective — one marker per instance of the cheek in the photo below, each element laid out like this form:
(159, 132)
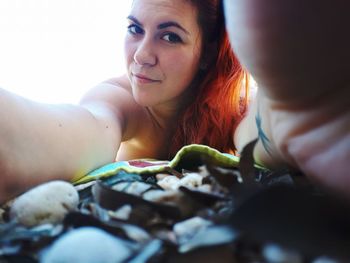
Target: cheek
(184, 64)
(128, 53)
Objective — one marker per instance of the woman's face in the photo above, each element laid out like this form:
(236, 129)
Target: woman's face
(162, 49)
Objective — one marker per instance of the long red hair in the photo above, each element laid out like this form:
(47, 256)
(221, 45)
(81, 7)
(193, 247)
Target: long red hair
(220, 88)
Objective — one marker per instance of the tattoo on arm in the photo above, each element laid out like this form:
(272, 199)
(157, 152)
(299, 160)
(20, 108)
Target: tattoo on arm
(261, 134)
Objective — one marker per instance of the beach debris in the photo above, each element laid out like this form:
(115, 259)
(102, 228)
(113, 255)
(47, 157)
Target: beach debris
(198, 211)
(88, 245)
(46, 203)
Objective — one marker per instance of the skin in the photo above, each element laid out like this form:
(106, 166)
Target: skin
(298, 52)
(302, 103)
(153, 77)
(123, 118)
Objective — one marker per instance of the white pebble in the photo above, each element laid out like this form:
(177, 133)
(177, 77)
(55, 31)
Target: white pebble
(191, 180)
(276, 254)
(207, 188)
(122, 213)
(161, 176)
(135, 188)
(203, 171)
(46, 203)
(88, 245)
(169, 182)
(160, 196)
(186, 229)
(325, 259)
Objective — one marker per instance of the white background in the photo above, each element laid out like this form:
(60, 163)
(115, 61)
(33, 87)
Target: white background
(55, 50)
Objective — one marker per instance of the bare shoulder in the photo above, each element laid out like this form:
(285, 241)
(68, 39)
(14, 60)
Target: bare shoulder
(113, 99)
(108, 91)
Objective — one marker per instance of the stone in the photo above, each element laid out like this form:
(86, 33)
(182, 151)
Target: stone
(88, 245)
(46, 203)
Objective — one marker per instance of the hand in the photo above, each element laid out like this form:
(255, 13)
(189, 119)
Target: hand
(298, 53)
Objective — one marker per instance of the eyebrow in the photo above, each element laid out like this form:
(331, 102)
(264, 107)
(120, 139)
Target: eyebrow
(162, 25)
(134, 20)
(170, 24)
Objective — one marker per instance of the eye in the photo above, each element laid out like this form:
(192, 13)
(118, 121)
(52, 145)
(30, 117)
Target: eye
(172, 38)
(135, 29)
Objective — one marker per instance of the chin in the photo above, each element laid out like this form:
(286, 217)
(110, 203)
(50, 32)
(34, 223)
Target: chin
(146, 99)
(144, 102)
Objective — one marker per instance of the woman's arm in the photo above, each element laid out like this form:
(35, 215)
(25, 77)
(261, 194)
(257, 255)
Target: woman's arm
(257, 125)
(299, 55)
(41, 142)
(292, 46)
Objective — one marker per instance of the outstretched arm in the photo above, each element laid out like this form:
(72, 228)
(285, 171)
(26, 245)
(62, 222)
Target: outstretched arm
(41, 142)
(298, 52)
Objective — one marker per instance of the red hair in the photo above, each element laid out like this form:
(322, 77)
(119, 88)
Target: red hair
(218, 106)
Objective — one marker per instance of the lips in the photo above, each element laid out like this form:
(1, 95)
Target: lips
(144, 78)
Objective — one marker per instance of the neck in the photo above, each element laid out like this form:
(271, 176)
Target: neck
(164, 117)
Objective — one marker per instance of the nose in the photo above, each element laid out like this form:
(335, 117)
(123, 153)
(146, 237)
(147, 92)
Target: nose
(145, 53)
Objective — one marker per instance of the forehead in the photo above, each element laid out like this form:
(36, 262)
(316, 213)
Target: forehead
(182, 11)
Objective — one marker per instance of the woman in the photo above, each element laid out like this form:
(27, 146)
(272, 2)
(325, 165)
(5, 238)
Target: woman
(183, 85)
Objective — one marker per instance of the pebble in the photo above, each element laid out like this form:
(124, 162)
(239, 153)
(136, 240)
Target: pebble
(122, 213)
(88, 245)
(169, 182)
(185, 230)
(191, 180)
(160, 196)
(135, 188)
(45, 204)
(276, 254)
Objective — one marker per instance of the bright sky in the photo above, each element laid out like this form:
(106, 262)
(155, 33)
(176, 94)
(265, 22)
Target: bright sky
(55, 50)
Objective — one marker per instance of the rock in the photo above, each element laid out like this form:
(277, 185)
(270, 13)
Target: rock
(88, 245)
(191, 180)
(276, 254)
(46, 203)
(122, 213)
(169, 182)
(185, 230)
(160, 196)
(135, 188)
